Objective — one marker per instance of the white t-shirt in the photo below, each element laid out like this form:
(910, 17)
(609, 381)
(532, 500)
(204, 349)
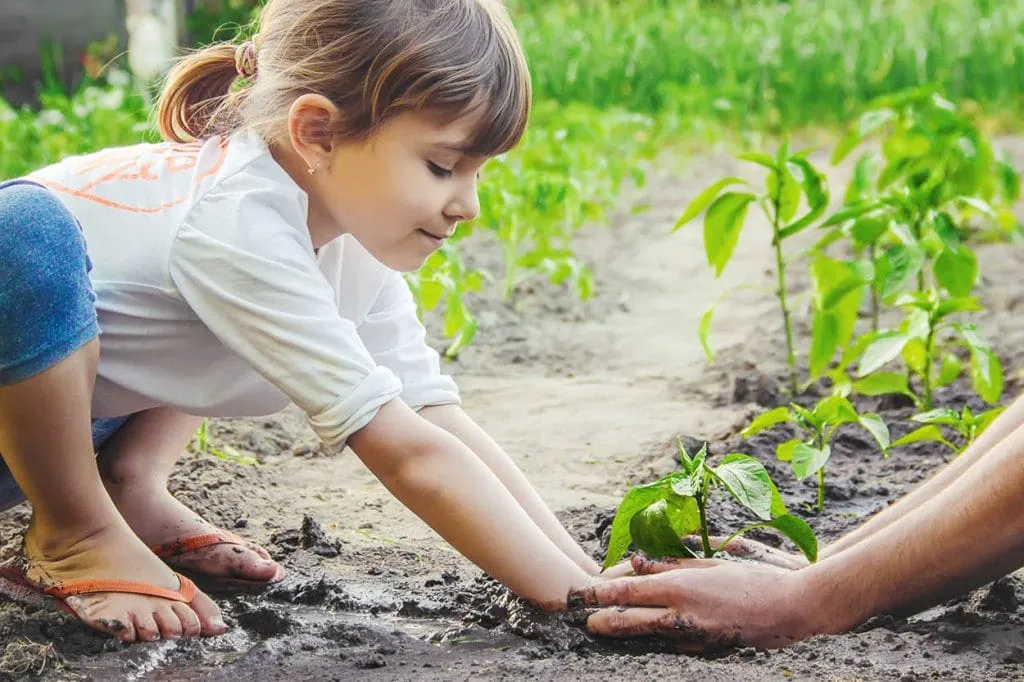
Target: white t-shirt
(211, 299)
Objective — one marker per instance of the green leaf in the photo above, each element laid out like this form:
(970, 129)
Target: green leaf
(874, 425)
(949, 370)
(941, 415)
(947, 231)
(985, 419)
(704, 333)
(915, 355)
(824, 341)
(957, 271)
(635, 500)
(851, 212)
(898, 267)
(784, 452)
(748, 482)
(867, 231)
(838, 288)
(658, 529)
(882, 383)
(808, 460)
(722, 226)
(883, 349)
(759, 158)
(815, 191)
(834, 410)
(704, 199)
(986, 369)
(925, 433)
(959, 304)
(788, 194)
(797, 530)
(778, 507)
(767, 420)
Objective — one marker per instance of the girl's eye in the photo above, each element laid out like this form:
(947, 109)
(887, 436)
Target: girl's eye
(439, 171)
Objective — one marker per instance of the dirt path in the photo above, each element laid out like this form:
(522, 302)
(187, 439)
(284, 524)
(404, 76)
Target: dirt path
(588, 398)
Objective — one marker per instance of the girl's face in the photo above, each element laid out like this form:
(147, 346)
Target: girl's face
(401, 193)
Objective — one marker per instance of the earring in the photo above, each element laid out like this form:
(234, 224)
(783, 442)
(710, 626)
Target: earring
(314, 168)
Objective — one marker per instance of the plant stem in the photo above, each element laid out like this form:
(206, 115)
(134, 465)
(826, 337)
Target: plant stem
(821, 490)
(929, 352)
(780, 269)
(917, 236)
(875, 303)
(702, 508)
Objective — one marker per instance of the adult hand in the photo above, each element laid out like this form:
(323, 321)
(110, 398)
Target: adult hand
(703, 605)
(745, 548)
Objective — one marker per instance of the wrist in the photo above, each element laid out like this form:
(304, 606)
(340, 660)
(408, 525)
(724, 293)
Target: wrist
(826, 601)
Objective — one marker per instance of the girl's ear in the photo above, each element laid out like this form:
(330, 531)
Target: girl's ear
(311, 122)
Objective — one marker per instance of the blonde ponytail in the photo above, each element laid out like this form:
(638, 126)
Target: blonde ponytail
(198, 100)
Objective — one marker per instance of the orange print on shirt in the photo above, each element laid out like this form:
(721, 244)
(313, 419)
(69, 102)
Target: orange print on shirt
(141, 163)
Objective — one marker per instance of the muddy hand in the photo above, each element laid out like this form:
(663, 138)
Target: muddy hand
(745, 548)
(703, 605)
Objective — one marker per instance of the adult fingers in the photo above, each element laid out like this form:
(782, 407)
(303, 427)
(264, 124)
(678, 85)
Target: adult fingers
(632, 622)
(633, 591)
(644, 565)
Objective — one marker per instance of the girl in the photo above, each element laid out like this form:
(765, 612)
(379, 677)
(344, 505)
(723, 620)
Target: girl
(250, 261)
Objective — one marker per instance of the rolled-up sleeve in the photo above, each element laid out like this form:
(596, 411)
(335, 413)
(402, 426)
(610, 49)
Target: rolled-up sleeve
(396, 339)
(244, 264)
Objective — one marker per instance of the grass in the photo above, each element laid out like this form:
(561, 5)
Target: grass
(23, 658)
(774, 65)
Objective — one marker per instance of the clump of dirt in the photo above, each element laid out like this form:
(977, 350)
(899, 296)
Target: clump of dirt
(309, 536)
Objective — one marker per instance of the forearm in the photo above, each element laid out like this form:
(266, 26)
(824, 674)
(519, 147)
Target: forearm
(967, 535)
(444, 483)
(455, 421)
(1008, 422)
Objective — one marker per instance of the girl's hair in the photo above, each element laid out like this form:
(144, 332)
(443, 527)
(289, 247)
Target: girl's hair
(374, 59)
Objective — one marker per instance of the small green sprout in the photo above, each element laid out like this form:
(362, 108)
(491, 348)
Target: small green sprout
(656, 517)
(809, 455)
(966, 424)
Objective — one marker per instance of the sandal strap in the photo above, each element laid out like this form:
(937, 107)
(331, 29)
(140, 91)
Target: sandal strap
(185, 593)
(191, 544)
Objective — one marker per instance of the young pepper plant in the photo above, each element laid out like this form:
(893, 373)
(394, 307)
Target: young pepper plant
(965, 423)
(809, 454)
(791, 180)
(656, 517)
(926, 341)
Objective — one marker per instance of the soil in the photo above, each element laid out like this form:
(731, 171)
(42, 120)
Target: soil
(589, 399)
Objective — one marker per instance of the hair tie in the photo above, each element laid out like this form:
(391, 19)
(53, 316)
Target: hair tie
(245, 60)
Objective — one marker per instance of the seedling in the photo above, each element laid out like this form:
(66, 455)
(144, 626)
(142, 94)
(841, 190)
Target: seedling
(925, 341)
(809, 455)
(204, 444)
(654, 518)
(966, 424)
(791, 178)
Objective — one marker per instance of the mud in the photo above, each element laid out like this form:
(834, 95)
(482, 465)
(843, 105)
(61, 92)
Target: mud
(589, 398)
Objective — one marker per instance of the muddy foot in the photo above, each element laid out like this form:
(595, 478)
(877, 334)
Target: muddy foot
(77, 562)
(161, 520)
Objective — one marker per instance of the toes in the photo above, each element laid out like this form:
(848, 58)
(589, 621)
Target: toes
(210, 620)
(168, 621)
(257, 550)
(190, 626)
(96, 611)
(146, 628)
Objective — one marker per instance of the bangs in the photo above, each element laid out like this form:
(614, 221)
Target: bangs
(471, 66)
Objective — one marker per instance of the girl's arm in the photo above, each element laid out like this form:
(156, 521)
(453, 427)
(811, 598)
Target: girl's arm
(455, 421)
(441, 480)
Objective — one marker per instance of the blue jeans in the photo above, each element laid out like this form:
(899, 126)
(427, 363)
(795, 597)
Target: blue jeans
(47, 304)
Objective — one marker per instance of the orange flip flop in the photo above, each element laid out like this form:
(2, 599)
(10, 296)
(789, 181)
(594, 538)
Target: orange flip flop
(213, 583)
(24, 590)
